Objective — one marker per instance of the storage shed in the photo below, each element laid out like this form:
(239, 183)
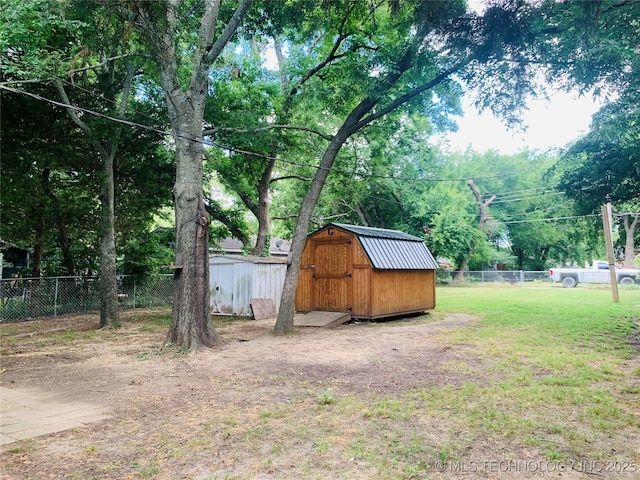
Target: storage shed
(236, 280)
(369, 272)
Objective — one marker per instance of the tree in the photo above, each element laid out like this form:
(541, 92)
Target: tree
(184, 39)
(604, 165)
(84, 58)
(46, 180)
(418, 49)
(242, 112)
(630, 223)
(448, 221)
(100, 59)
(482, 205)
(526, 208)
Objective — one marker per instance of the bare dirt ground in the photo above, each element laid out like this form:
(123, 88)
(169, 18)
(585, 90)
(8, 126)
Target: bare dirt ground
(258, 406)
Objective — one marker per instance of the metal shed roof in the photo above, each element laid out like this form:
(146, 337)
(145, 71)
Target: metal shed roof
(392, 249)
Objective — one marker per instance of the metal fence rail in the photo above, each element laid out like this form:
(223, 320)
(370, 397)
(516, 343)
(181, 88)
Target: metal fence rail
(28, 298)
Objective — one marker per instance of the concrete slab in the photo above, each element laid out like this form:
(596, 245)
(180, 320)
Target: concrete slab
(26, 415)
(322, 319)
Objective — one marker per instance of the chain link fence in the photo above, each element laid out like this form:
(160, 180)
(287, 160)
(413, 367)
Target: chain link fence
(513, 277)
(28, 298)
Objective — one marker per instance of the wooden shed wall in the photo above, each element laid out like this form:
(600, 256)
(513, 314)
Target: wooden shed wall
(402, 291)
(345, 278)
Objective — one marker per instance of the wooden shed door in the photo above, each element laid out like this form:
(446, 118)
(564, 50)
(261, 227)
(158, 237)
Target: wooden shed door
(332, 277)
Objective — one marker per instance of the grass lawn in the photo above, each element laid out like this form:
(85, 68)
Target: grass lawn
(553, 371)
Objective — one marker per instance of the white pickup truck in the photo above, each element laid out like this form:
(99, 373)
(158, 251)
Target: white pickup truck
(598, 273)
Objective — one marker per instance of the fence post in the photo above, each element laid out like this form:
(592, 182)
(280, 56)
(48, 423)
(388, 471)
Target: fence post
(522, 278)
(55, 300)
(134, 293)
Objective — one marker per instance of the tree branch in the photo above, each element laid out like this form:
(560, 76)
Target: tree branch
(286, 217)
(413, 93)
(289, 177)
(207, 31)
(229, 30)
(330, 57)
(70, 110)
(104, 62)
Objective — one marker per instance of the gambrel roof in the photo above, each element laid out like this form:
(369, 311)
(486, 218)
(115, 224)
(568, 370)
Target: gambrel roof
(391, 249)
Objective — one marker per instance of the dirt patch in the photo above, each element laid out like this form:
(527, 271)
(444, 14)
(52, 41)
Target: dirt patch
(258, 406)
(54, 355)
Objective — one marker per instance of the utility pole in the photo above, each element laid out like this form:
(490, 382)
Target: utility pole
(608, 238)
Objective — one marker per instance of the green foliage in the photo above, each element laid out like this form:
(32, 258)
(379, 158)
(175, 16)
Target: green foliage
(145, 256)
(605, 163)
(326, 397)
(36, 36)
(337, 55)
(49, 185)
(55, 166)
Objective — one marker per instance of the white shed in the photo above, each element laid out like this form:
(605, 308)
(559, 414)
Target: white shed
(235, 280)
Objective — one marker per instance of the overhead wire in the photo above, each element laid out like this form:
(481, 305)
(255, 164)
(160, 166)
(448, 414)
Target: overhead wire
(544, 210)
(213, 143)
(551, 219)
(528, 197)
(513, 192)
(511, 196)
(207, 142)
(351, 174)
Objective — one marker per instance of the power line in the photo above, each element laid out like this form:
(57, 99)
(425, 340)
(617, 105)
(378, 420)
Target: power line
(113, 102)
(245, 152)
(514, 192)
(527, 197)
(550, 219)
(544, 210)
(352, 173)
(86, 110)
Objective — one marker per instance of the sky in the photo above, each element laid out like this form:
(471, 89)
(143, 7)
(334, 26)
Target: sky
(550, 123)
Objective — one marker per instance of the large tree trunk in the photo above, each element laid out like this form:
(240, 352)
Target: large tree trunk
(262, 246)
(630, 227)
(459, 274)
(190, 327)
(159, 23)
(109, 314)
(190, 317)
(284, 322)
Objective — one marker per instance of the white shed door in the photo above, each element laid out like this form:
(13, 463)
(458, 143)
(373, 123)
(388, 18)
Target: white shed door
(222, 281)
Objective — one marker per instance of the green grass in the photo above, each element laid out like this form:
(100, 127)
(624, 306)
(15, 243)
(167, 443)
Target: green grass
(553, 382)
(539, 322)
